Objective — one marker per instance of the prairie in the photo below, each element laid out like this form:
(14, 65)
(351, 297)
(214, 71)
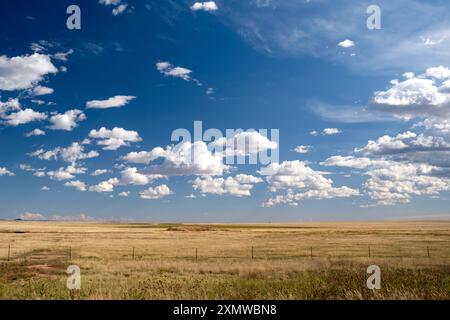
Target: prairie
(225, 261)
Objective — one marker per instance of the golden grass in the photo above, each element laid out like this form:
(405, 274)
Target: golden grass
(165, 265)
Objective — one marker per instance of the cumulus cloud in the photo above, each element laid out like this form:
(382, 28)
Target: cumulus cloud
(79, 185)
(105, 186)
(187, 159)
(131, 176)
(302, 149)
(24, 72)
(156, 192)
(240, 185)
(346, 44)
(66, 173)
(424, 95)
(71, 154)
(35, 132)
(113, 102)
(243, 144)
(66, 121)
(145, 157)
(326, 132)
(205, 6)
(400, 181)
(391, 182)
(413, 147)
(12, 104)
(40, 91)
(331, 131)
(5, 172)
(300, 182)
(198, 154)
(99, 172)
(353, 162)
(115, 138)
(23, 117)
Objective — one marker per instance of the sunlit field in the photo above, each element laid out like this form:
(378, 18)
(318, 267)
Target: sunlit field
(225, 261)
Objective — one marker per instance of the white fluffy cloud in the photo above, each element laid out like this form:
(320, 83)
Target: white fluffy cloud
(188, 159)
(41, 91)
(205, 6)
(331, 131)
(24, 72)
(240, 185)
(35, 132)
(346, 44)
(66, 173)
(79, 185)
(71, 154)
(156, 192)
(66, 121)
(133, 177)
(105, 186)
(12, 104)
(5, 172)
(301, 183)
(23, 117)
(115, 138)
(145, 157)
(400, 181)
(113, 102)
(353, 162)
(391, 182)
(387, 144)
(424, 95)
(99, 172)
(326, 132)
(302, 149)
(243, 144)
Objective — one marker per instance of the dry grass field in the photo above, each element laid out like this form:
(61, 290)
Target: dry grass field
(225, 261)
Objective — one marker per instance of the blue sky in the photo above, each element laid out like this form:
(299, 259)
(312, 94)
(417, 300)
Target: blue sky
(86, 116)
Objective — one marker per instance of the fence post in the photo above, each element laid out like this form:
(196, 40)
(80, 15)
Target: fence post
(196, 254)
(70, 253)
(133, 253)
(428, 251)
(252, 252)
(9, 252)
(369, 253)
(311, 252)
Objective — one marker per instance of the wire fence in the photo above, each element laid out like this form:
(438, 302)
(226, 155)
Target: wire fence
(13, 253)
